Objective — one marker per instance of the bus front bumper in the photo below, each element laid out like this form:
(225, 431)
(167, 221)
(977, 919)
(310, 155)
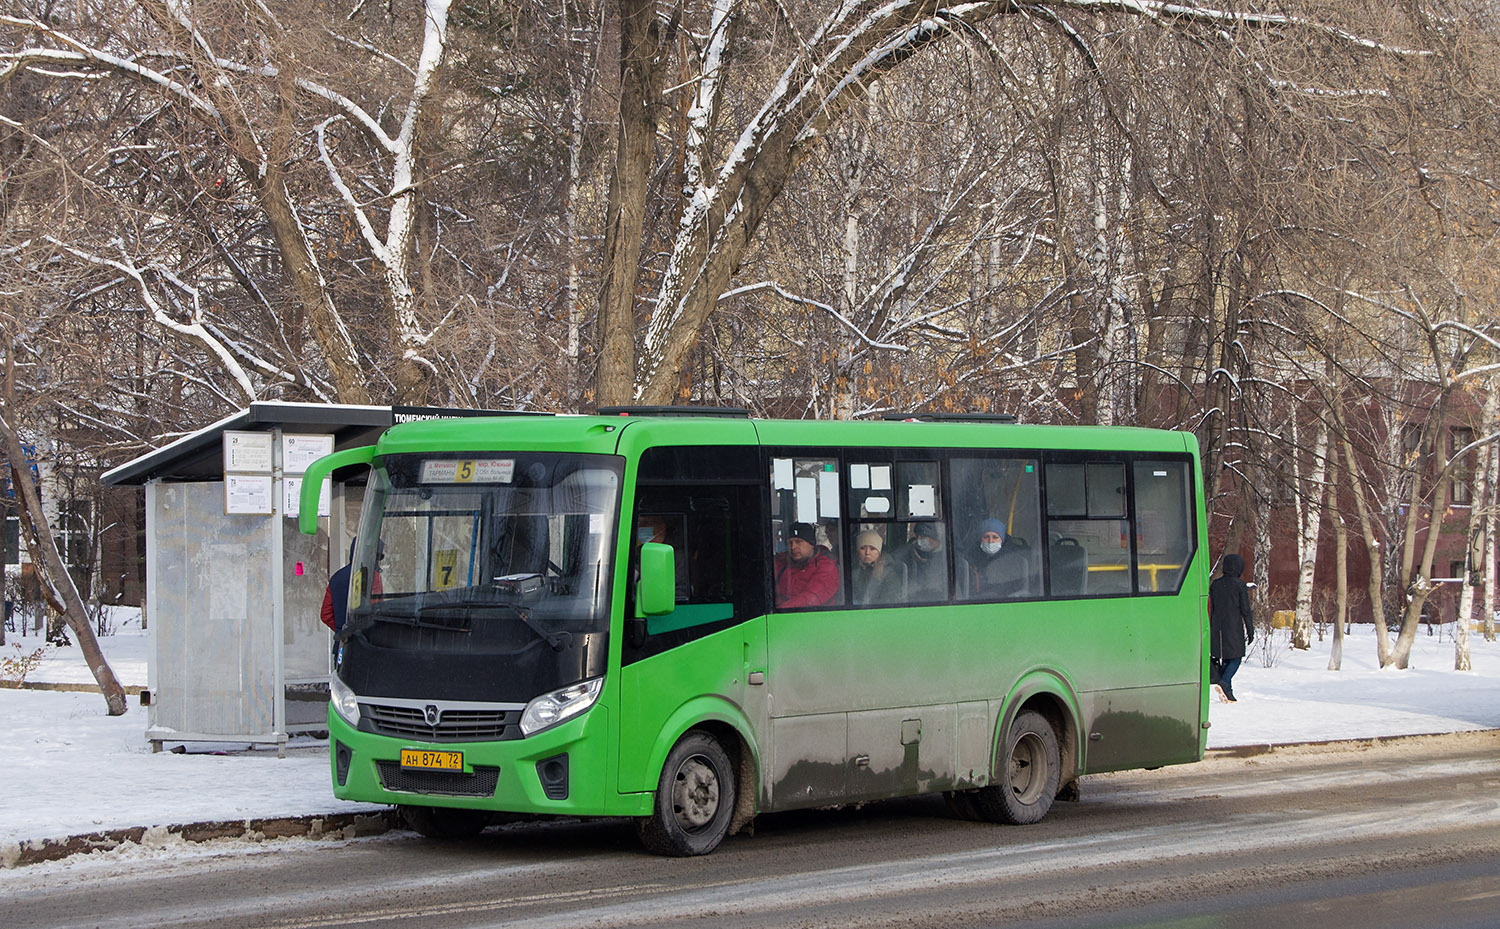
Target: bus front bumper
(563, 771)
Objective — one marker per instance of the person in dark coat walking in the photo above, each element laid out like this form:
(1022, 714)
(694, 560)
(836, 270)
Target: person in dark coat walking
(1231, 626)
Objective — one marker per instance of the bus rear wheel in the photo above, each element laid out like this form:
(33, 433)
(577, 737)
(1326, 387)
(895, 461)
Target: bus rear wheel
(694, 799)
(439, 822)
(1030, 768)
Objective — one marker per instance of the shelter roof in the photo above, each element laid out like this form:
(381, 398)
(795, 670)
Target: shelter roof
(199, 456)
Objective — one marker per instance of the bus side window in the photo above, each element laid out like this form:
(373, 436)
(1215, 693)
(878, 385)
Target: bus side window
(1088, 529)
(997, 520)
(704, 501)
(1164, 517)
(807, 504)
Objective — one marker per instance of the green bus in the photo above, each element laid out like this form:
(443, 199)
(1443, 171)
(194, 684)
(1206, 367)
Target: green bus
(691, 616)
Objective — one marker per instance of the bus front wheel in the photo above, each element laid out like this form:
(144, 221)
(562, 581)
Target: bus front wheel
(1030, 768)
(438, 822)
(694, 799)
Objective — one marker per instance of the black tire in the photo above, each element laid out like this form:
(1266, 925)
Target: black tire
(694, 799)
(438, 822)
(961, 805)
(1030, 768)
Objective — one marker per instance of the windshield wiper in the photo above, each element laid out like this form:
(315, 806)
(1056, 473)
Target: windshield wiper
(354, 625)
(558, 640)
(457, 608)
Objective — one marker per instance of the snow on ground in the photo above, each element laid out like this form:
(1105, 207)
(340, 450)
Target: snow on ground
(1290, 696)
(70, 769)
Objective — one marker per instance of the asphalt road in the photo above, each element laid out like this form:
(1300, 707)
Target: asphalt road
(1399, 835)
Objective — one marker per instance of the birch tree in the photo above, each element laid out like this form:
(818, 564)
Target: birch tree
(1310, 525)
(1478, 517)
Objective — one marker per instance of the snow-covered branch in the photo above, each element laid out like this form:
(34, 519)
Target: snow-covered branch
(816, 304)
(372, 239)
(194, 329)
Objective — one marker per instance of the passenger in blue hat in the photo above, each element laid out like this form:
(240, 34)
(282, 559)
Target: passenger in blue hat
(999, 568)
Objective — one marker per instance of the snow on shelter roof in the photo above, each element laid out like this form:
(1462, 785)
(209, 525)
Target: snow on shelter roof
(199, 456)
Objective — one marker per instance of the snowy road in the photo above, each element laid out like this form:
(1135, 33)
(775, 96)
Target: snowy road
(1366, 838)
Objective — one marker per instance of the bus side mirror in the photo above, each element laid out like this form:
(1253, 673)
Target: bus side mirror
(656, 591)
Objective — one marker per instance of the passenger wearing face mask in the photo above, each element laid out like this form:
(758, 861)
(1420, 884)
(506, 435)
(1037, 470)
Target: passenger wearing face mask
(998, 567)
(926, 564)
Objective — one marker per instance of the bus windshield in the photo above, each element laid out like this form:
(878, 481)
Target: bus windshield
(490, 572)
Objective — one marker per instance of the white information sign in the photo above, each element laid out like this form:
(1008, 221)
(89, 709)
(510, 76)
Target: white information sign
(807, 499)
(828, 494)
(859, 477)
(921, 500)
(248, 452)
(247, 493)
(781, 474)
(298, 452)
(291, 503)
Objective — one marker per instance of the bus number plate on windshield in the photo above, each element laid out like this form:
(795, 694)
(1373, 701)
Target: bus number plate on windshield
(432, 761)
(469, 471)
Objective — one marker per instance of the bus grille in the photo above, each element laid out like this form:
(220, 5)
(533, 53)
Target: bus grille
(449, 783)
(455, 725)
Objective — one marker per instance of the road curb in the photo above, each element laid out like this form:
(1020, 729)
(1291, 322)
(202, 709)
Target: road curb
(1271, 748)
(318, 826)
(131, 690)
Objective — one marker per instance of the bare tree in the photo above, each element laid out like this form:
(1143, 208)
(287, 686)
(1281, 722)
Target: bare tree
(58, 588)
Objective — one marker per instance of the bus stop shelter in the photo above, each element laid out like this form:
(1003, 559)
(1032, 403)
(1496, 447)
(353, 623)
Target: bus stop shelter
(237, 652)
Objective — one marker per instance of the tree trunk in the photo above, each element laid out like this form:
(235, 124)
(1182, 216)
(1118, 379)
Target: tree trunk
(1312, 526)
(1491, 505)
(1477, 518)
(55, 581)
(641, 69)
(571, 210)
(1341, 569)
(1372, 548)
(1421, 586)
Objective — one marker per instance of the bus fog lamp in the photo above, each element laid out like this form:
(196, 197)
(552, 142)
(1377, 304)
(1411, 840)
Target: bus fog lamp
(343, 700)
(550, 709)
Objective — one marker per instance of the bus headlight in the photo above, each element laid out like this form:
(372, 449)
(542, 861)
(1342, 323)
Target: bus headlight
(343, 700)
(550, 709)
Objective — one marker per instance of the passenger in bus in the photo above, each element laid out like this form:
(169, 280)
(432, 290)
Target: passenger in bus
(877, 578)
(651, 528)
(926, 564)
(999, 567)
(336, 596)
(806, 574)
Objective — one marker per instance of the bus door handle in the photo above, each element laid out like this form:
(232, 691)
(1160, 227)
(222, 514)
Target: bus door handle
(757, 677)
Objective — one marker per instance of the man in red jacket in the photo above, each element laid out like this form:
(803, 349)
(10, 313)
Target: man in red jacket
(806, 574)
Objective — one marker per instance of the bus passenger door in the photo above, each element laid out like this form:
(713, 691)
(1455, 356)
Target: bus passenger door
(705, 651)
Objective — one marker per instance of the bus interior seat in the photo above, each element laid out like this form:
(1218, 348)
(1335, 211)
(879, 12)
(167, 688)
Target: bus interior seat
(900, 569)
(1070, 566)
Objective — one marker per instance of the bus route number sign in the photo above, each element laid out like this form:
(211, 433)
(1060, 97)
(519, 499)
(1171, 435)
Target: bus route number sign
(432, 761)
(468, 471)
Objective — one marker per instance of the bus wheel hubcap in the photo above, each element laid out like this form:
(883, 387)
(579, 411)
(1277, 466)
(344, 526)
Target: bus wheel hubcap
(695, 795)
(1027, 768)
